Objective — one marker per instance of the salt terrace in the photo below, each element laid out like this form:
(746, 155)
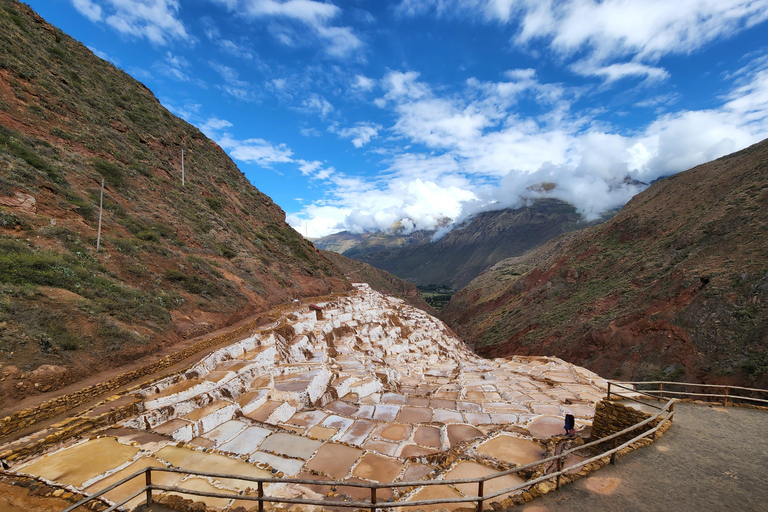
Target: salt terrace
(360, 388)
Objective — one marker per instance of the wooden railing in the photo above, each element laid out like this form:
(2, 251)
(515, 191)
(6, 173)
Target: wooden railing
(665, 414)
(657, 389)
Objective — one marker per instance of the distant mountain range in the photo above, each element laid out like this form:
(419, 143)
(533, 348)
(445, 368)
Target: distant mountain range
(675, 286)
(464, 252)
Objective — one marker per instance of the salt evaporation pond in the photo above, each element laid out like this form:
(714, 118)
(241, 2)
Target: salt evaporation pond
(368, 389)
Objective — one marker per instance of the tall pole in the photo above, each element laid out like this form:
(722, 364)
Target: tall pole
(182, 167)
(101, 209)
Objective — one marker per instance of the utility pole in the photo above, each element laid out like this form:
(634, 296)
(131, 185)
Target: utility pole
(101, 209)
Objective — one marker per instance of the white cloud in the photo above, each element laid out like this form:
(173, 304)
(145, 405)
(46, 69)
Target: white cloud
(174, 66)
(232, 83)
(484, 154)
(361, 133)
(614, 72)
(338, 42)
(89, 9)
(317, 104)
(155, 20)
(315, 170)
(310, 132)
(256, 151)
(607, 31)
(363, 83)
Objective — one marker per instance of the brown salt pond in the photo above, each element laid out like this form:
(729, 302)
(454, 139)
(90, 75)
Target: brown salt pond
(459, 433)
(467, 469)
(433, 492)
(66, 466)
(428, 436)
(378, 468)
(512, 449)
(334, 460)
(546, 427)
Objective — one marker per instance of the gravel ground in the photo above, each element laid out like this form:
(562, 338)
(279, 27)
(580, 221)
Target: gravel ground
(711, 459)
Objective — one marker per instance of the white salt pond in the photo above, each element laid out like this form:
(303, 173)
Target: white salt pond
(370, 390)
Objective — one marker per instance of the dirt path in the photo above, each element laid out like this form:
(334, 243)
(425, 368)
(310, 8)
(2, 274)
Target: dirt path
(713, 458)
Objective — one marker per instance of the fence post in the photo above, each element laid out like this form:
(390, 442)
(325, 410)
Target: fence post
(559, 469)
(661, 390)
(725, 398)
(373, 499)
(613, 455)
(480, 496)
(261, 496)
(148, 481)
(609, 391)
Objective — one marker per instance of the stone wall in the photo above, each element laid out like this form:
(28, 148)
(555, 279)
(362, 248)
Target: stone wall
(611, 417)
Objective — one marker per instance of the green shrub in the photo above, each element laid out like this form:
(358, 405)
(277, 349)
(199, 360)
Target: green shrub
(112, 173)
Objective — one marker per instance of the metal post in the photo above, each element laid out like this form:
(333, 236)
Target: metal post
(373, 499)
(613, 455)
(148, 481)
(261, 496)
(101, 209)
(480, 496)
(559, 469)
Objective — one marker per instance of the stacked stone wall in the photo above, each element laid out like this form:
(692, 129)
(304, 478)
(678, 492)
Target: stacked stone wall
(611, 417)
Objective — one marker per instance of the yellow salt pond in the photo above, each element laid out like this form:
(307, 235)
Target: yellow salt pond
(67, 466)
(512, 449)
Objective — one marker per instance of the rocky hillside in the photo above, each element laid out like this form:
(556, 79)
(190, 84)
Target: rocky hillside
(462, 254)
(379, 280)
(174, 261)
(675, 286)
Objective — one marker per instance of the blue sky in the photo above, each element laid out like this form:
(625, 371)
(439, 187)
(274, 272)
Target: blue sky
(364, 114)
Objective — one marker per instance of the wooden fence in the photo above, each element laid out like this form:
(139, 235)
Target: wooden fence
(665, 414)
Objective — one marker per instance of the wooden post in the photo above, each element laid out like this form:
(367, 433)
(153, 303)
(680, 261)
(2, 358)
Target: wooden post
(613, 455)
(480, 496)
(101, 209)
(373, 499)
(725, 398)
(148, 481)
(661, 390)
(261, 496)
(182, 167)
(609, 391)
(559, 469)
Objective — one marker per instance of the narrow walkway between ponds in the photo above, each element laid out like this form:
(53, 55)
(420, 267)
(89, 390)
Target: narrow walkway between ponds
(712, 458)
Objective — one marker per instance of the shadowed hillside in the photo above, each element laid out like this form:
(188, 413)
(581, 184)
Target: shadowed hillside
(674, 286)
(463, 253)
(175, 261)
(380, 280)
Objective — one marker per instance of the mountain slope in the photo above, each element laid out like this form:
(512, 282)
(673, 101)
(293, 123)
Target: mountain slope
(379, 280)
(174, 261)
(675, 285)
(463, 253)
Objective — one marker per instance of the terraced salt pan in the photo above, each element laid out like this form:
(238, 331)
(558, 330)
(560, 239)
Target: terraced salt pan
(368, 392)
